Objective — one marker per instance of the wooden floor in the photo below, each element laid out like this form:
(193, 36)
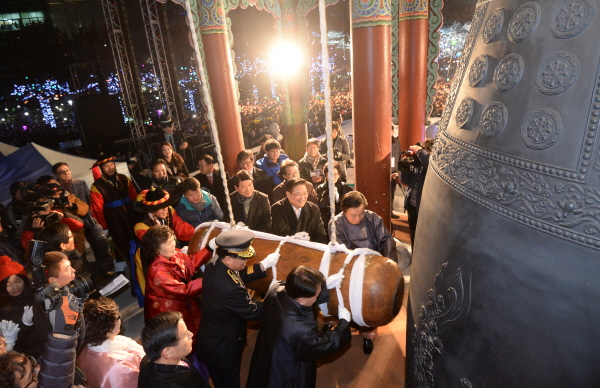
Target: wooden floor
(351, 367)
(400, 228)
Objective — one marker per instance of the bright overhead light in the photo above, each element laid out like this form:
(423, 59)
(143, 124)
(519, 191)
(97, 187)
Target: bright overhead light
(286, 58)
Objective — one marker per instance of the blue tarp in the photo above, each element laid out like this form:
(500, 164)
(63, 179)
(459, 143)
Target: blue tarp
(25, 164)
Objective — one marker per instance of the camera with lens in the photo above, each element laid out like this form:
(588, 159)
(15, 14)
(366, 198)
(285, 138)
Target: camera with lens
(37, 199)
(82, 286)
(337, 154)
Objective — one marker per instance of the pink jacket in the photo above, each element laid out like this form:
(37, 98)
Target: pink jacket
(113, 364)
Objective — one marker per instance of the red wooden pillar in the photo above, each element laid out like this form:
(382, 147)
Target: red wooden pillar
(413, 43)
(372, 103)
(217, 55)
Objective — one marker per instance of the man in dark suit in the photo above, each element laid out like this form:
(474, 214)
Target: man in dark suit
(289, 170)
(262, 182)
(250, 206)
(296, 214)
(167, 341)
(226, 306)
(212, 179)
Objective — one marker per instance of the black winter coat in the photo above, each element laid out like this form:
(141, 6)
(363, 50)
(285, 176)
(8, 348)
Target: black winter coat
(289, 344)
(182, 378)
(262, 183)
(226, 308)
(415, 179)
(259, 214)
(30, 339)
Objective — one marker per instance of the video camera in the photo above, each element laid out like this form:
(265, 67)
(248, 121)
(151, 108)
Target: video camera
(409, 158)
(82, 286)
(39, 198)
(337, 154)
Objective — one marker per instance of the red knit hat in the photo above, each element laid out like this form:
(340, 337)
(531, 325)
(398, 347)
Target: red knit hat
(9, 267)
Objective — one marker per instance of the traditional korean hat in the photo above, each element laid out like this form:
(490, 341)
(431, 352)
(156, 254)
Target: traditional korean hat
(151, 200)
(237, 242)
(104, 159)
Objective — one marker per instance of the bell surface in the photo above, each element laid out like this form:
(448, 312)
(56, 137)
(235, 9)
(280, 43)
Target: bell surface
(506, 266)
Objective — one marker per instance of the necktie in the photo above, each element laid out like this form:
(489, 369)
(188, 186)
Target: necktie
(210, 179)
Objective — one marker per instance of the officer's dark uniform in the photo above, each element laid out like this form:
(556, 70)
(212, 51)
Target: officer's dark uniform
(226, 308)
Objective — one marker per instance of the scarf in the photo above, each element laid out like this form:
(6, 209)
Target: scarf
(158, 182)
(314, 161)
(246, 202)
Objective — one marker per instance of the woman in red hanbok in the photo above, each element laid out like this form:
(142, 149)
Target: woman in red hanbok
(170, 283)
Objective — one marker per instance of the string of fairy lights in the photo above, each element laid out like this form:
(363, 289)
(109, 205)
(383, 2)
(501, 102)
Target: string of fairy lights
(45, 101)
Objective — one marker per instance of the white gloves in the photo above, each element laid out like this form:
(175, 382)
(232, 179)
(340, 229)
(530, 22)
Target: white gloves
(270, 260)
(273, 283)
(302, 236)
(27, 316)
(212, 244)
(343, 313)
(10, 330)
(334, 280)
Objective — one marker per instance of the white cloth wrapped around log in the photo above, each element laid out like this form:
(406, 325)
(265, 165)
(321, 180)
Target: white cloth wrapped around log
(372, 288)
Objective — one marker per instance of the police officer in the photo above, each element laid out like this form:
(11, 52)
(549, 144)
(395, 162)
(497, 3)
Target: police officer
(226, 306)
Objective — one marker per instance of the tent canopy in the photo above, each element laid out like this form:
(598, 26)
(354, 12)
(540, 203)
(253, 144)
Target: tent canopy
(30, 162)
(7, 149)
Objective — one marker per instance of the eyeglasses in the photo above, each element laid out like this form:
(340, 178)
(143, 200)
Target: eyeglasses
(63, 172)
(248, 163)
(34, 372)
(298, 195)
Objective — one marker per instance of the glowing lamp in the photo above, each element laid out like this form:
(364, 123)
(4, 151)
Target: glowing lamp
(286, 58)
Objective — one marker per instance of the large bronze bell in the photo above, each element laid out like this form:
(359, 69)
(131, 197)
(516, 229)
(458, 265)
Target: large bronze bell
(505, 280)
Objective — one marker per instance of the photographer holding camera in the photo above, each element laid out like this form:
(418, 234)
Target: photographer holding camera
(63, 200)
(39, 213)
(61, 239)
(341, 149)
(413, 169)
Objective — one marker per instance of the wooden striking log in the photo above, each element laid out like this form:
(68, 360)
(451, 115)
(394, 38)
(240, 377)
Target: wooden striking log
(383, 283)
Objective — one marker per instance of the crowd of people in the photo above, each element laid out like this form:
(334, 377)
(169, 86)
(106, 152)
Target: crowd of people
(442, 90)
(55, 335)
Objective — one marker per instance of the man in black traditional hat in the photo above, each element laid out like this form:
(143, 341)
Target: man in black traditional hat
(226, 305)
(111, 200)
(157, 206)
(175, 138)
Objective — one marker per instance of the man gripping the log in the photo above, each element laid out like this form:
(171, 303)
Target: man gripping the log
(226, 306)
